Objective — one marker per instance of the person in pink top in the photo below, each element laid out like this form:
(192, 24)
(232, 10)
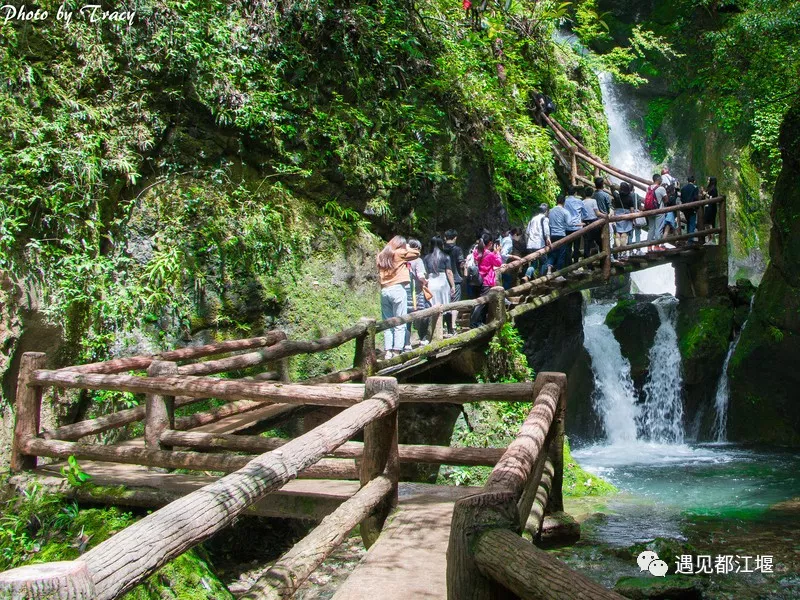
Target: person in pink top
(487, 258)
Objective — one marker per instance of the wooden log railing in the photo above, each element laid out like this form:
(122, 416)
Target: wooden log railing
(487, 557)
(116, 565)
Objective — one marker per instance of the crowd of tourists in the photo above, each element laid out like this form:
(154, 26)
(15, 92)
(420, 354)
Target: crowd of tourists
(413, 277)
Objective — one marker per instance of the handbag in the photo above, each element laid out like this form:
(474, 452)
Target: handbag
(640, 222)
(427, 293)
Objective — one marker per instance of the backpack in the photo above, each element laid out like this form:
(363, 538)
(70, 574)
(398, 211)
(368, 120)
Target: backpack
(672, 195)
(650, 202)
(474, 274)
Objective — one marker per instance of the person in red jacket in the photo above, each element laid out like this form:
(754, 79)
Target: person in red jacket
(487, 258)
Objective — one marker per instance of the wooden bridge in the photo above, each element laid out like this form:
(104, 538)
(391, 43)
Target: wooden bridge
(439, 542)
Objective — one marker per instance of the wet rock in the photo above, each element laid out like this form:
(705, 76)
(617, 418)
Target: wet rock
(671, 587)
(559, 529)
(764, 377)
(634, 322)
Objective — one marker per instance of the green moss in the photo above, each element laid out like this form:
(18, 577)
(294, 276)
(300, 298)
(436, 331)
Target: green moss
(617, 315)
(657, 110)
(707, 335)
(579, 483)
(506, 362)
(329, 292)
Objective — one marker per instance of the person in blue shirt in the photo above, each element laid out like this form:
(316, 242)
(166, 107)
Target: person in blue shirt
(559, 220)
(574, 206)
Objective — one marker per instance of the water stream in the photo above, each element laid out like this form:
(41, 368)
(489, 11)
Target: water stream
(662, 413)
(717, 498)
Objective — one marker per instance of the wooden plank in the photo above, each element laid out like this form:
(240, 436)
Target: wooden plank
(409, 559)
(409, 453)
(242, 421)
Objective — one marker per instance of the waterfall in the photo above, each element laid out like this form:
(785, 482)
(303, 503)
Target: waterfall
(614, 397)
(723, 393)
(661, 418)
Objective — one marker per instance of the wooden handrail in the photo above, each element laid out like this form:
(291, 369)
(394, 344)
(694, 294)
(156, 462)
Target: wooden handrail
(509, 492)
(120, 365)
(183, 523)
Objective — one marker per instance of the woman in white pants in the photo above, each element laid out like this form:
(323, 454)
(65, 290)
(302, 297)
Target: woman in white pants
(394, 279)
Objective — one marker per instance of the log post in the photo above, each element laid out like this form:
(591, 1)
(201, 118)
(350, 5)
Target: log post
(472, 516)
(437, 327)
(380, 457)
(66, 580)
(28, 410)
(723, 223)
(365, 349)
(497, 305)
(159, 409)
(605, 242)
(283, 370)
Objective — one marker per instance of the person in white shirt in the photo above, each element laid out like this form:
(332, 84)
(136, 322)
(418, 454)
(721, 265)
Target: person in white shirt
(538, 236)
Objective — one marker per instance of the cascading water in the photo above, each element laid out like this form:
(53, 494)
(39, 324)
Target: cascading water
(614, 396)
(661, 418)
(723, 391)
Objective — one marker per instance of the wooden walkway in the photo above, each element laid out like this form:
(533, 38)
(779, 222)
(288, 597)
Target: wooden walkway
(409, 560)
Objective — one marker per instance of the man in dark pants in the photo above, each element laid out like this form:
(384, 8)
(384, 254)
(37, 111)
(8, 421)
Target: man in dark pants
(457, 261)
(559, 218)
(574, 206)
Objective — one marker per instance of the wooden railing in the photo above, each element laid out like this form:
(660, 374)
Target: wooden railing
(487, 557)
(124, 560)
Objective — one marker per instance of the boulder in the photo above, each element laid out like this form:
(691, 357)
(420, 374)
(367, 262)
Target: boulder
(634, 322)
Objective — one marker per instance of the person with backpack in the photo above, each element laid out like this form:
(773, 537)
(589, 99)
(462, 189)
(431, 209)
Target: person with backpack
(457, 261)
(591, 212)
(538, 234)
(623, 204)
(394, 278)
(487, 259)
(574, 206)
(690, 193)
(655, 198)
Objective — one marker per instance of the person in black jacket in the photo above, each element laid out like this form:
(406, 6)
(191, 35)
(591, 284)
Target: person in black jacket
(457, 261)
(690, 193)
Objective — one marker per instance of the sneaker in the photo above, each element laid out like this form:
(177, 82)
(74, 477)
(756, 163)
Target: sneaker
(407, 348)
(389, 355)
(424, 342)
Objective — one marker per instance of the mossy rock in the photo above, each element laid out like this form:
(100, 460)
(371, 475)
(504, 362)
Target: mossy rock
(671, 587)
(634, 322)
(669, 550)
(704, 329)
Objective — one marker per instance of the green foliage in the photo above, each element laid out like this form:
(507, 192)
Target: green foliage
(74, 474)
(37, 527)
(506, 362)
(657, 109)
